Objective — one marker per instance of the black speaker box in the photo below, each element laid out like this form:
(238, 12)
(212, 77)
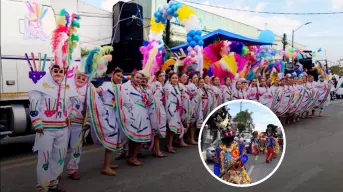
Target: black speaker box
(125, 27)
(126, 55)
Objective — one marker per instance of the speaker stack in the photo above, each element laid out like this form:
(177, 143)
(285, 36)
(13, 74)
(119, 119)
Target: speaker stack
(127, 36)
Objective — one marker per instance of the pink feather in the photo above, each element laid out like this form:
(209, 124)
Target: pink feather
(59, 45)
(241, 61)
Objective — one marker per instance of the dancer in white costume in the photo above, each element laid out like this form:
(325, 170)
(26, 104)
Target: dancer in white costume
(239, 92)
(53, 102)
(205, 97)
(324, 94)
(266, 97)
(211, 98)
(186, 108)
(174, 109)
(227, 90)
(157, 111)
(217, 91)
(135, 103)
(311, 84)
(196, 105)
(79, 125)
(253, 91)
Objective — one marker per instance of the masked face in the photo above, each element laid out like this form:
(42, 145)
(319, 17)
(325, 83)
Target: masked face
(80, 80)
(57, 74)
(321, 79)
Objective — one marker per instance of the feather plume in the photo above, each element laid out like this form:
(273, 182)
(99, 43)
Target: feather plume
(59, 41)
(89, 63)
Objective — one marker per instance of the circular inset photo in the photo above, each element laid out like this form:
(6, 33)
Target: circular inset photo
(242, 143)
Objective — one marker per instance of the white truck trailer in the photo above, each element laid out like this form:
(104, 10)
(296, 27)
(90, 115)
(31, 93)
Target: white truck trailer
(17, 39)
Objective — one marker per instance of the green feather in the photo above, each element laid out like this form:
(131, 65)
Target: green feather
(74, 37)
(62, 12)
(75, 23)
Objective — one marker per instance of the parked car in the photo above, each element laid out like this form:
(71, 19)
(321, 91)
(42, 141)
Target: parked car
(211, 150)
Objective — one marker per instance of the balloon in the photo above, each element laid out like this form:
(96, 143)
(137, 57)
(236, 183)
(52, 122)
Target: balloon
(198, 32)
(192, 53)
(189, 49)
(192, 44)
(196, 38)
(191, 33)
(142, 49)
(189, 39)
(165, 6)
(170, 11)
(157, 20)
(169, 17)
(175, 14)
(266, 36)
(201, 43)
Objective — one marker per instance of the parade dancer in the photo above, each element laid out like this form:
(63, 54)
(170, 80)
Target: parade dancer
(204, 97)
(227, 90)
(79, 124)
(324, 91)
(239, 91)
(103, 108)
(186, 109)
(255, 143)
(196, 104)
(174, 109)
(230, 156)
(157, 112)
(252, 91)
(265, 97)
(134, 104)
(53, 101)
(270, 143)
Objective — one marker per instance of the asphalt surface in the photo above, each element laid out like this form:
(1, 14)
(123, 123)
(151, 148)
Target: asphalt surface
(257, 167)
(313, 162)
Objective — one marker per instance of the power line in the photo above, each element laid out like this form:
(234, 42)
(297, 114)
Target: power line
(264, 12)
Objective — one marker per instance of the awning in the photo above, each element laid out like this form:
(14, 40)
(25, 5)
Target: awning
(223, 35)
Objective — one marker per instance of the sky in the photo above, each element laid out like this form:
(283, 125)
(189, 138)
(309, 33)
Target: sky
(325, 31)
(261, 116)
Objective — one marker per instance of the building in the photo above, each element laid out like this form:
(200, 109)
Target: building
(209, 22)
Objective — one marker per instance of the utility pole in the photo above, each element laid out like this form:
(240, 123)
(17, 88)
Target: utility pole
(326, 63)
(167, 40)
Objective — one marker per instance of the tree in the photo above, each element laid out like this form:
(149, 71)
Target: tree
(84, 52)
(241, 127)
(338, 70)
(244, 118)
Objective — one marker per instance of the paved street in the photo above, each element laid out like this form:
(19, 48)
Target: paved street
(313, 162)
(257, 167)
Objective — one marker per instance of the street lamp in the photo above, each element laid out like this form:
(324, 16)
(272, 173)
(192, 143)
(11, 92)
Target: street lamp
(293, 35)
(296, 30)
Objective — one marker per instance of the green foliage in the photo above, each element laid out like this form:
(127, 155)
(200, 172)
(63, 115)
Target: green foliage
(84, 52)
(241, 127)
(243, 118)
(338, 70)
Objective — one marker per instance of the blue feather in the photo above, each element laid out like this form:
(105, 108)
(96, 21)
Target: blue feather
(89, 61)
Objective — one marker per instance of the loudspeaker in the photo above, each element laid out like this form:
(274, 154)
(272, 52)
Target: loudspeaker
(124, 26)
(126, 55)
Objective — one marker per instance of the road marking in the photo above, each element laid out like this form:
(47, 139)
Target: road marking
(34, 159)
(250, 169)
(256, 157)
(301, 179)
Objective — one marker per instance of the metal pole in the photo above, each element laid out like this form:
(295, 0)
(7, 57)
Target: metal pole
(293, 46)
(326, 63)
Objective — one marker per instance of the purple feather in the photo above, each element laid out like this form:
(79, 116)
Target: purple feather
(67, 19)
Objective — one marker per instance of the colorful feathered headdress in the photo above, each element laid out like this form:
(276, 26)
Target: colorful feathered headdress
(65, 38)
(95, 64)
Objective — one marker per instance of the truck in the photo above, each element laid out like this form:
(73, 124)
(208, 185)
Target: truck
(26, 30)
